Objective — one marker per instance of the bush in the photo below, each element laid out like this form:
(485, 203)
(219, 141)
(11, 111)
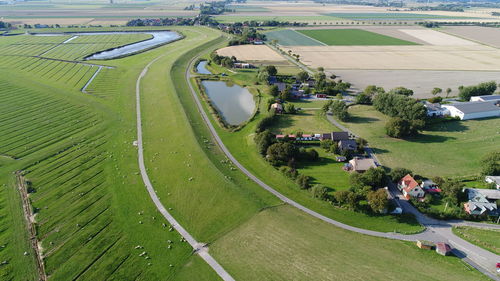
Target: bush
(435, 99)
(263, 140)
(491, 164)
(319, 191)
(363, 98)
(398, 127)
(289, 172)
(290, 108)
(378, 200)
(265, 122)
(303, 181)
(310, 154)
(281, 152)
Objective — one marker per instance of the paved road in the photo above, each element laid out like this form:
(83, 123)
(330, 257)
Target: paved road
(481, 259)
(198, 248)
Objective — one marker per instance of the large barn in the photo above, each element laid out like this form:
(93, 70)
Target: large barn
(473, 110)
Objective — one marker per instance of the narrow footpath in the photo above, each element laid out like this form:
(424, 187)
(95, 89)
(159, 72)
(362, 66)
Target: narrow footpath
(198, 248)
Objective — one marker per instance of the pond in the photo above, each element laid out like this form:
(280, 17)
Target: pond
(201, 68)
(159, 38)
(234, 103)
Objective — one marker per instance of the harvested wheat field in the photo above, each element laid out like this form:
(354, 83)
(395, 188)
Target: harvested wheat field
(251, 53)
(436, 38)
(486, 35)
(401, 57)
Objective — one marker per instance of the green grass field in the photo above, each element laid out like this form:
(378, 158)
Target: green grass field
(488, 239)
(444, 149)
(288, 245)
(354, 37)
(75, 153)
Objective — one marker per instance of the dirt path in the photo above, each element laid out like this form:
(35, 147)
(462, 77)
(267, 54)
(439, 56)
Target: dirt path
(30, 224)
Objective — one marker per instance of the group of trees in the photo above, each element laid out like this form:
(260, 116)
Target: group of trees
(482, 89)
(246, 35)
(366, 186)
(491, 164)
(408, 115)
(5, 25)
(338, 109)
(222, 60)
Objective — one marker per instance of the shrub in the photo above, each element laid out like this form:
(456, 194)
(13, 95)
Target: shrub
(303, 181)
(319, 191)
(289, 172)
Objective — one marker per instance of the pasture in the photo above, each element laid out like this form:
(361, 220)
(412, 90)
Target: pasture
(288, 245)
(75, 161)
(443, 149)
(350, 37)
(484, 238)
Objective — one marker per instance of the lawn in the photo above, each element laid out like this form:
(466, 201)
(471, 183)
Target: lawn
(353, 37)
(286, 244)
(289, 37)
(443, 149)
(305, 121)
(488, 239)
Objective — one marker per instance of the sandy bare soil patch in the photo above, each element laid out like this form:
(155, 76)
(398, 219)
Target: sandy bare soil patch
(479, 58)
(485, 35)
(251, 53)
(420, 81)
(437, 38)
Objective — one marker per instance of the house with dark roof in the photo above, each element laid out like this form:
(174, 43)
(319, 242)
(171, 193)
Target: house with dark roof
(482, 201)
(410, 187)
(348, 144)
(473, 110)
(338, 136)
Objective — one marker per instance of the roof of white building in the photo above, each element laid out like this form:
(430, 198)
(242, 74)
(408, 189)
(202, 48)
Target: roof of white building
(474, 107)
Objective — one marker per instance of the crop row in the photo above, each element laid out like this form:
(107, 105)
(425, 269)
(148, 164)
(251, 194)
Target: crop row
(73, 75)
(26, 49)
(104, 84)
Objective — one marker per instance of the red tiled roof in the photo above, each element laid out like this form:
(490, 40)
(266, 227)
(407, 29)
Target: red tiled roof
(408, 182)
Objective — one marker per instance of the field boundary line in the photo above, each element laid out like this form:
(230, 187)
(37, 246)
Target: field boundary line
(199, 248)
(84, 89)
(29, 217)
(323, 44)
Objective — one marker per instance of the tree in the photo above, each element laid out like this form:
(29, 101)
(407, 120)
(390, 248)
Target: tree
(302, 76)
(290, 108)
(363, 98)
(326, 144)
(339, 110)
(303, 181)
(361, 142)
(373, 177)
(321, 69)
(436, 91)
(346, 198)
(482, 89)
(448, 91)
(263, 140)
(271, 70)
(378, 200)
(402, 91)
(281, 153)
(452, 190)
(285, 94)
(326, 107)
(397, 174)
(373, 90)
(491, 164)
(398, 127)
(319, 191)
(274, 91)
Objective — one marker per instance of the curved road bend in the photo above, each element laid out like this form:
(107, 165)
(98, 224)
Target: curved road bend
(479, 258)
(198, 248)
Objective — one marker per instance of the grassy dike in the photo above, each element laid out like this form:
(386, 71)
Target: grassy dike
(105, 248)
(275, 242)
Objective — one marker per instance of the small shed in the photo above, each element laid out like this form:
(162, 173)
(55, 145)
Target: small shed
(422, 244)
(340, 158)
(443, 248)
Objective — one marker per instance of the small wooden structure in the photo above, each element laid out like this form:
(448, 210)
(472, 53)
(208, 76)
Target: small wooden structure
(427, 245)
(443, 248)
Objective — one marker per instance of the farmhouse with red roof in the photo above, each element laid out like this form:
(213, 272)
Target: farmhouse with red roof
(410, 187)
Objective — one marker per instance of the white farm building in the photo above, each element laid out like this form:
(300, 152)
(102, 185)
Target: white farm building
(491, 98)
(473, 110)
